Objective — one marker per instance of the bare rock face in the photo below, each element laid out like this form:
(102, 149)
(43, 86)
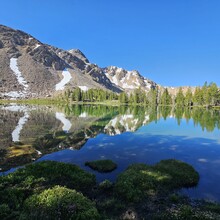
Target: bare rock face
(79, 54)
(1, 45)
(29, 68)
(128, 80)
(48, 58)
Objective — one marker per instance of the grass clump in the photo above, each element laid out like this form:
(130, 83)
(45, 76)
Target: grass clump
(141, 180)
(59, 203)
(102, 166)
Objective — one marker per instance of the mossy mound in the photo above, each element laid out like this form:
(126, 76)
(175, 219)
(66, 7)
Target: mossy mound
(187, 211)
(183, 174)
(34, 178)
(50, 173)
(102, 166)
(59, 203)
(141, 180)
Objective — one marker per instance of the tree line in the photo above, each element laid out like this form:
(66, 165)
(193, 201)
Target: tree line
(207, 95)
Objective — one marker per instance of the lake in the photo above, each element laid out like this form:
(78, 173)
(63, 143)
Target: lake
(79, 133)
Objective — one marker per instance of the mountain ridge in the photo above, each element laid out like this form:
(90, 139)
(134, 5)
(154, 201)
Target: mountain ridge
(32, 69)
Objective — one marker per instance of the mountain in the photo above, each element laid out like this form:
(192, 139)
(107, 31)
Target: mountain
(128, 80)
(30, 68)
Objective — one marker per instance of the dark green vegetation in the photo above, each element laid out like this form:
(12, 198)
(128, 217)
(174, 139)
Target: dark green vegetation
(16, 187)
(59, 203)
(53, 190)
(92, 95)
(207, 95)
(102, 166)
(141, 180)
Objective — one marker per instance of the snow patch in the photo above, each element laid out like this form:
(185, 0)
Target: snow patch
(83, 115)
(66, 78)
(115, 80)
(13, 94)
(14, 108)
(37, 45)
(66, 123)
(16, 133)
(126, 86)
(18, 74)
(38, 152)
(84, 88)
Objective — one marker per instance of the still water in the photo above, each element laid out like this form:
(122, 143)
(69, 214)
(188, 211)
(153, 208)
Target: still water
(76, 134)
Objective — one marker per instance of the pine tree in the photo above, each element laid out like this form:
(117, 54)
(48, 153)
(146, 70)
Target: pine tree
(165, 98)
(188, 98)
(180, 99)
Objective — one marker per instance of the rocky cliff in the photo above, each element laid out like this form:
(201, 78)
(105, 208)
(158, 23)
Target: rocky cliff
(30, 68)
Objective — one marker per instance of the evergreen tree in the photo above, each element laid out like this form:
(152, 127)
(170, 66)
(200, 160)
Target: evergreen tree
(76, 95)
(188, 98)
(213, 94)
(198, 96)
(123, 97)
(152, 96)
(179, 100)
(165, 98)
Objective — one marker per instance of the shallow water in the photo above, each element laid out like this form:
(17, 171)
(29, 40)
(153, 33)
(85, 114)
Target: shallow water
(125, 135)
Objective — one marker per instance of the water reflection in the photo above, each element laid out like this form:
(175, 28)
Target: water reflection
(127, 135)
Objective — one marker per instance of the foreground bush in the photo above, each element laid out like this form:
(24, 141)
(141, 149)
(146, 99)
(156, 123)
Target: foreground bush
(34, 178)
(102, 166)
(59, 203)
(141, 180)
(183, 174)
(49, 173)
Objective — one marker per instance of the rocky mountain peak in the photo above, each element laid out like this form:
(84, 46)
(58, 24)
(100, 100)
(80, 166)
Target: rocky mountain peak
(30, 68)
(128, 80)
(78, 53)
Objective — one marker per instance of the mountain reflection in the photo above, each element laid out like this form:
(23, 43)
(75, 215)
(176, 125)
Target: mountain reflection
(28, 132)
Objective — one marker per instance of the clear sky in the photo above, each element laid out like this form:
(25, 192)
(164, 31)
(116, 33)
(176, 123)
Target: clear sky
(173, 42)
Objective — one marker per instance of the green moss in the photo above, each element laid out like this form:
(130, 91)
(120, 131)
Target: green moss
(59, 203)
(49, 173)
(111, 207)
(34, 178)
(141, 180)
(183, 174)
(105, 185)
(186, 212)
(102, 166)
(212, 207)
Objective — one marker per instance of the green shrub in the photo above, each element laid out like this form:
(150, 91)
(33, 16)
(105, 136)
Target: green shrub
(183, 174)
(4, 211)
(212, 207)
(102, 166)
(138, 181)
(59, 203)
(18, 186)
(141, 180)
(105, 185)
(49, 173)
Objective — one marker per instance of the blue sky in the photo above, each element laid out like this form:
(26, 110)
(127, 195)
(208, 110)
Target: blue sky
(173, 42)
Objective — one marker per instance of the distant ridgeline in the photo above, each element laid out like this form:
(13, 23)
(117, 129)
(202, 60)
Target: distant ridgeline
(30, 69)
(207, 95)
